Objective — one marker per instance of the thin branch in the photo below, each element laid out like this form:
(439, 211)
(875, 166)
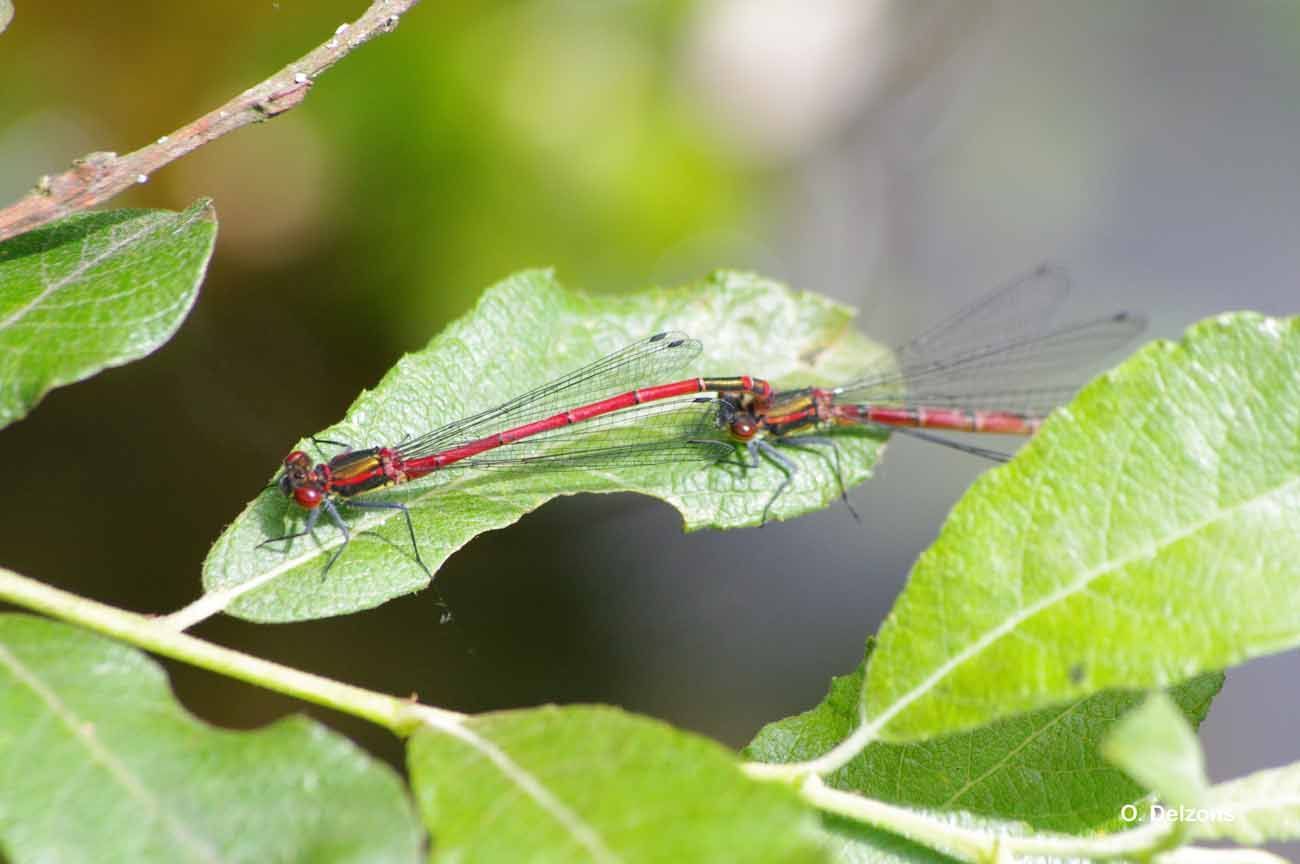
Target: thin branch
(97, 177)
(402, 716)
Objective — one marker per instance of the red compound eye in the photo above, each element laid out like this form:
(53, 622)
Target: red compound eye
(298, 457)
(308, 497)
(744, 428)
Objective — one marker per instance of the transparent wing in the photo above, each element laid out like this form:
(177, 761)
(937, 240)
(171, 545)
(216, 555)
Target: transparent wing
(952, 443)
(1030, 401)
(671, 432)
(997, 353)
(1000, 354)
(1024, 306)
(651, 361)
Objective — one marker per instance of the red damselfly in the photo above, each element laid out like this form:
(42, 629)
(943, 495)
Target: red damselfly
(609, 412)
(980, 371)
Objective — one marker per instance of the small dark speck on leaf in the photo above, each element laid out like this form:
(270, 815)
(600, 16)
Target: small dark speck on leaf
(810, 357)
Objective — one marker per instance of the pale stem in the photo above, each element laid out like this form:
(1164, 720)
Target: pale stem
(399, 715)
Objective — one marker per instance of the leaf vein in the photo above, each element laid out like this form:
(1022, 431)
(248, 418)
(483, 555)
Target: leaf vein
(83, 733)
(112, 247)
(1144, 552)
(581, 832)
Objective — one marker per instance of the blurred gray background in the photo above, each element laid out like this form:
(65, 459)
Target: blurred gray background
(904, 157)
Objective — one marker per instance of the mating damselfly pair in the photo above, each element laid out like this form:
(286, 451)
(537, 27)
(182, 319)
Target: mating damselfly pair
(980, 371)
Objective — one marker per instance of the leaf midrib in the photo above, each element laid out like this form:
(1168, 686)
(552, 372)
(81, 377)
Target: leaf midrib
(1006, 758)
(994, 634)
(583, 834)
(116, 769)
(221, 598)
(111, 247)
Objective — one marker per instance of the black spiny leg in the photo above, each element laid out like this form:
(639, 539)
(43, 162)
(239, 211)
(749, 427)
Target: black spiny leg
(757, 446)
(406, 512)
(312, 517)
(344, 448)
(446, 616)
(342, 526)
(823, 441)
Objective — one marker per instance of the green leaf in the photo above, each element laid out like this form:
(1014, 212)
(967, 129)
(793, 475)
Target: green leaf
(592, 783)
(524, 332)
(1145, 535)
(1258, 808)
(1042, 768)
(6, 14)
(99, 763)
(94, 291)
(1156, 746)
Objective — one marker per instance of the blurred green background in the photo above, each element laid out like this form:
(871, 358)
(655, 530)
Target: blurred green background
(901, 156)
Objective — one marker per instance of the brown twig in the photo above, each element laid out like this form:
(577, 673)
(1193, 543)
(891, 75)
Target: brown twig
(97, 177)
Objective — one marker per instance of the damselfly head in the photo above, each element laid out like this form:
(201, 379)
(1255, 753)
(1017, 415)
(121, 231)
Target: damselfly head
(299, 481)
(744, 427)
(297, 459)
(309, 497)
(736, 415)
